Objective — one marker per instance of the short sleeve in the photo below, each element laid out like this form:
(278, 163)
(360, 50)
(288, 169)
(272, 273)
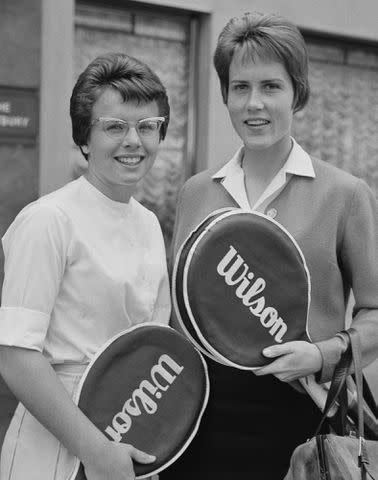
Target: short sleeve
(35, 250)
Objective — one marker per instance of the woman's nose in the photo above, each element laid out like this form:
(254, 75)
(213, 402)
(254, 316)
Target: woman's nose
(132, 138)
(255, 101)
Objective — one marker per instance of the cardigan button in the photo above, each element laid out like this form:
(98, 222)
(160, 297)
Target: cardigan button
(272, 213)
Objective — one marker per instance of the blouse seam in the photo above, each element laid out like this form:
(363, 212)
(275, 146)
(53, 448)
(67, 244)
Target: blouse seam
(3, 307)
(55, 207)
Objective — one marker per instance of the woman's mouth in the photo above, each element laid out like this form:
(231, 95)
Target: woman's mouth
(257, 122)
(129, 161)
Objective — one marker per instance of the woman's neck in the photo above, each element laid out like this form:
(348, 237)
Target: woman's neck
(264, 164)
(260, 167)
(118, 193)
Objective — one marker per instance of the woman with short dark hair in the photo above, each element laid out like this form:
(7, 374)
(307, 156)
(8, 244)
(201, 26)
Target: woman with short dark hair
(253, 422)
(131, 78)
(268, 37)
(81, 265)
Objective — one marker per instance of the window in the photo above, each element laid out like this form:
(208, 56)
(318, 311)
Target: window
(340, 123)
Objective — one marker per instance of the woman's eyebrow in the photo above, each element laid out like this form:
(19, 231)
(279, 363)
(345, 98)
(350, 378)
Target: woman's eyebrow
(273, 80)
(239, 80)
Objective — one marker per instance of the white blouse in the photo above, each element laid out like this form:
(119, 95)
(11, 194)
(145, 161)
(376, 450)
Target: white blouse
(80, 268)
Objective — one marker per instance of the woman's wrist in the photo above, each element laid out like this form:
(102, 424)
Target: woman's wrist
(93, 447)
(330, 351)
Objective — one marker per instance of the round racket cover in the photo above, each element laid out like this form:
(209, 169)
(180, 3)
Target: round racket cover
(148, 387)
(177, 285)
(245, 286)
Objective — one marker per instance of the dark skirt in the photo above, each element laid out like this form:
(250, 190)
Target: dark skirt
(250, 428)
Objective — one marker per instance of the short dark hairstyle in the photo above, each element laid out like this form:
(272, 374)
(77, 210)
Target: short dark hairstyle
(261, 36)
(132, 78)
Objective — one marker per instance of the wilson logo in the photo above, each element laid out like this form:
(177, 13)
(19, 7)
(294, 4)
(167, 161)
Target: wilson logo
(143, 399)
(237, 273)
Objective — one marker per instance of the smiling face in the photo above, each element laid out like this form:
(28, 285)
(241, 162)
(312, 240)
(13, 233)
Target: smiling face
(260, 104)
(115, 167)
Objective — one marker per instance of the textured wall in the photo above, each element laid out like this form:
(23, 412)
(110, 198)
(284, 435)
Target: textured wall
(345, 17)
(20, 42)
(19, 66)
(340, 123)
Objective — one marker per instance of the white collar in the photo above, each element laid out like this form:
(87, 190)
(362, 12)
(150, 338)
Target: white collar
(298, 163)
(232, 177)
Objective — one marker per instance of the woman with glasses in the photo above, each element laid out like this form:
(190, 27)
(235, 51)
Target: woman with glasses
(253, 422)
(82, 264)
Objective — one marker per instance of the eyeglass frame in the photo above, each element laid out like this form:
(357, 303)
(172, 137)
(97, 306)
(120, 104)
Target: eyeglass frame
(161, 121)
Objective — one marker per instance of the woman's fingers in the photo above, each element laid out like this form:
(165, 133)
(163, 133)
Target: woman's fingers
(140, 456)
(292, 360)
(278, 350)
(116, 463)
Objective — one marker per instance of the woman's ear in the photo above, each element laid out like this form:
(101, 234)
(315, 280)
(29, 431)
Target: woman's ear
(85, 149)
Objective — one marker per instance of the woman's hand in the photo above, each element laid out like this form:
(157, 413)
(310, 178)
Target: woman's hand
(116, 462)
(35, 383)
(293, 360)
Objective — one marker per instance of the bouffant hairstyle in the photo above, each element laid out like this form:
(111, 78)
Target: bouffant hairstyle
(133, 79)
(264, 36)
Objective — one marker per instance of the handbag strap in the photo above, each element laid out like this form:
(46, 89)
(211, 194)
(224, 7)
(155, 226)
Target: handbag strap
(353, 352)
(355, 345)
(369, 397)
(337, 384)
(356, 353)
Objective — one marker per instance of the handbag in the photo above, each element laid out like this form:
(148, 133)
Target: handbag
(348, 456)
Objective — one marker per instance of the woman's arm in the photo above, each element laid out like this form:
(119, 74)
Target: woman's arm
(34, 382)
(359, 266)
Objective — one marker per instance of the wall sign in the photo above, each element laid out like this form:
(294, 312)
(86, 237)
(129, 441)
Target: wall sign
(18, 115)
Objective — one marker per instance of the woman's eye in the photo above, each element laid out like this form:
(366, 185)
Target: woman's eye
(272, 86)
(147, 127)
(239, 87)
(115, 127)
